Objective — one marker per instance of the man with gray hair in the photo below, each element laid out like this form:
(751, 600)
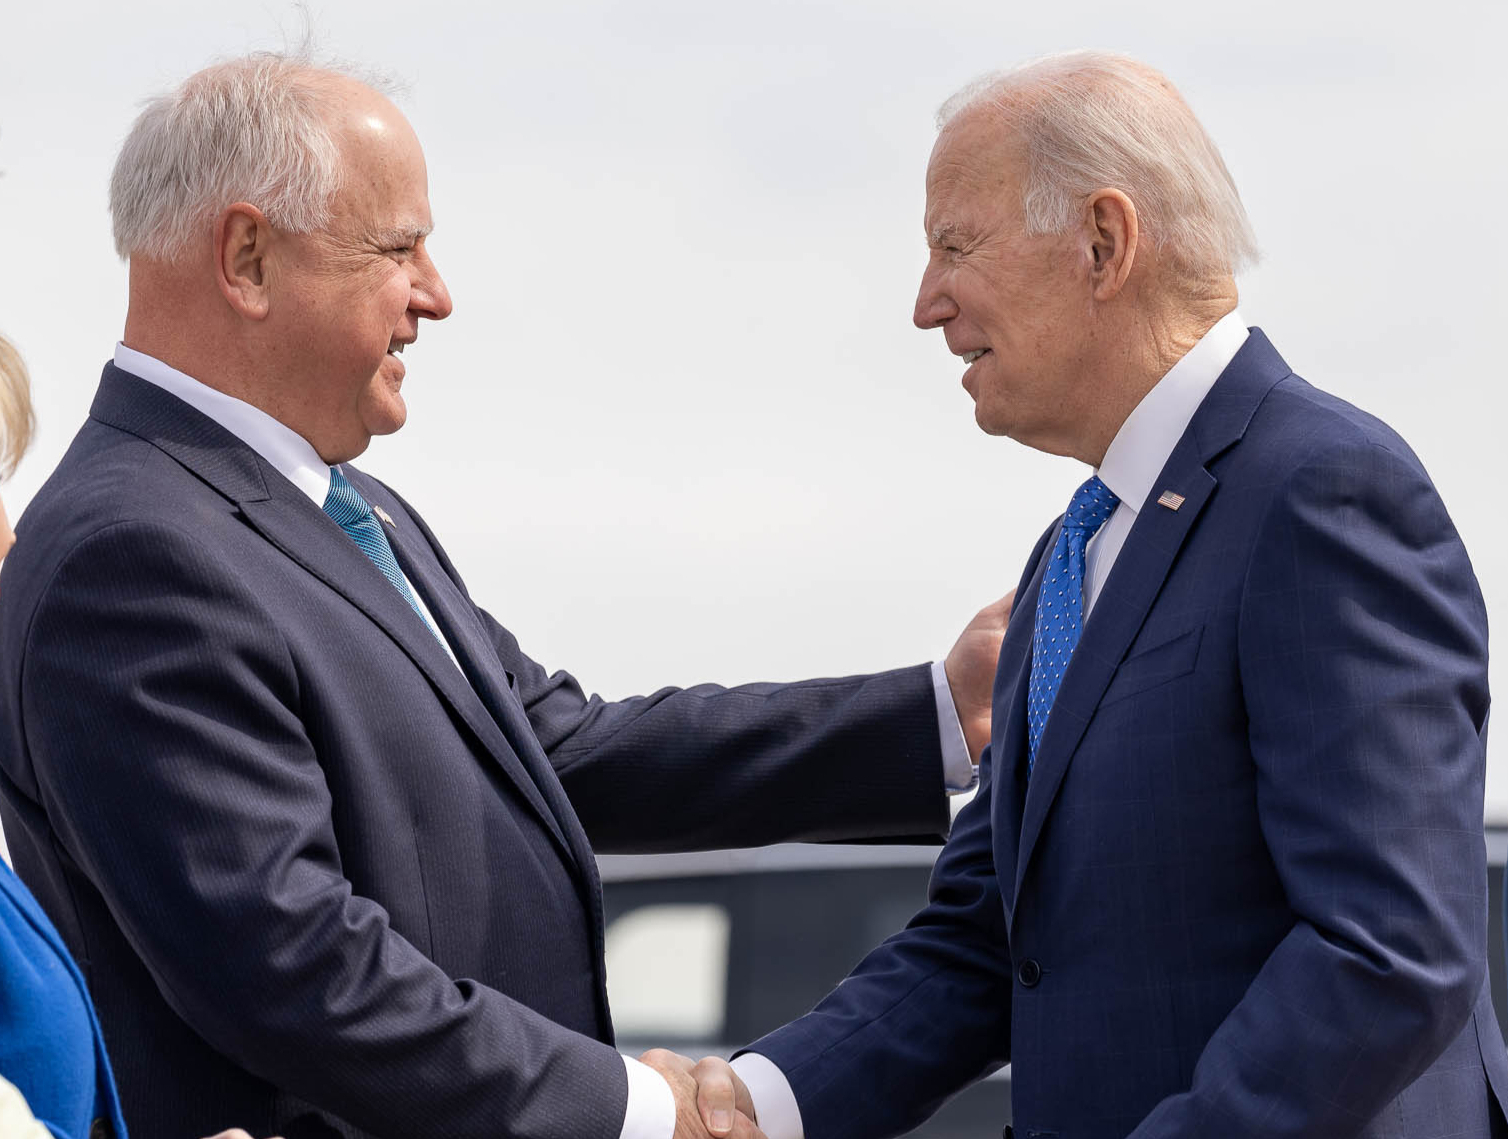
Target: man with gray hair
(317, 830)
(1225, 873)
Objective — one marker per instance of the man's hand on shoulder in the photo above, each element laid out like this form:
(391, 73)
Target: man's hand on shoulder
(970, 666)
(710, 1099)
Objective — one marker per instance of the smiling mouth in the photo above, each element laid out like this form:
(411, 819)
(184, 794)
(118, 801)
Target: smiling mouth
(970, 357)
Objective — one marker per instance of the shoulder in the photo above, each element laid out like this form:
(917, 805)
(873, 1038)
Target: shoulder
(121, 531)
(1343, 508)
(1299, 426)
(109, 479)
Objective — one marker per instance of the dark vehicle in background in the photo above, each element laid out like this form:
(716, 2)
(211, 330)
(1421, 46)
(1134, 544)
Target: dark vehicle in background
(706, 952)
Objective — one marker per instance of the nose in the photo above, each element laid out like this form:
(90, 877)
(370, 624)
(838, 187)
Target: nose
(934, 307)
(429, 297)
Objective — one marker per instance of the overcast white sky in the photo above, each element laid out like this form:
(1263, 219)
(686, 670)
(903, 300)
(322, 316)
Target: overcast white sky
(680, 427)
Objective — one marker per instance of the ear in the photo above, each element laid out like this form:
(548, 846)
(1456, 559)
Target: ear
(1113, 233)
(242, 241)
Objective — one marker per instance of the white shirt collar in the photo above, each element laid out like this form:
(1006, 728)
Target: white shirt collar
(287, 450)
(1141, 447)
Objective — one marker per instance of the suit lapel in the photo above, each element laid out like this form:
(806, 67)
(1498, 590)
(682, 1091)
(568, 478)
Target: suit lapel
(1139, 573)
(1008, 743)
(492, 684)
(287, 518)
(488, 680)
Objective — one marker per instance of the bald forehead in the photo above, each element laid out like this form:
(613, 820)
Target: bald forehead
(976, 155)
(982, 140)
(353, 108)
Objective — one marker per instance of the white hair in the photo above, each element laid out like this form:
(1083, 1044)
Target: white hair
(1088, 120)
(252, 129)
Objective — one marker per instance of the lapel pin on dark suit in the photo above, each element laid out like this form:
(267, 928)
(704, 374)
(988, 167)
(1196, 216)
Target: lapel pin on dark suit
(1170, 500)
(383, 514)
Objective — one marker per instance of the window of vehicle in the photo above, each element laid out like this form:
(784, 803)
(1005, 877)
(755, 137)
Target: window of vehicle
(667, 971)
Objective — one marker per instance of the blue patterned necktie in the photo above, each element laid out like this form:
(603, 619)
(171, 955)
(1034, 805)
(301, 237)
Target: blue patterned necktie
(354, 515)
(1060, 606)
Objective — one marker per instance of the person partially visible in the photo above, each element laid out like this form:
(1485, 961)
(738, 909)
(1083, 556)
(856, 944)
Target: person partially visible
(16, 1119)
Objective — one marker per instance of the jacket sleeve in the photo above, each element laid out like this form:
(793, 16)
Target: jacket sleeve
(840, 760)
(162, 713)
(1363, 659)
(923, 1015)
(820, 760)
(929, 1010)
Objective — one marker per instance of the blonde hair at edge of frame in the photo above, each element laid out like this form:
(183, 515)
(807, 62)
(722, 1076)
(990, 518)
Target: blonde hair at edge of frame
(16, 420)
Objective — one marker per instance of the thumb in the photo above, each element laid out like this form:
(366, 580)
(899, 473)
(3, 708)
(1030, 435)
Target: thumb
(717, 1095)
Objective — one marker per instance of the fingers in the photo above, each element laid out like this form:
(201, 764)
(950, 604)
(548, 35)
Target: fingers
(1006, 605)
(664, 1060)
(745, 1128)
(710, 1098)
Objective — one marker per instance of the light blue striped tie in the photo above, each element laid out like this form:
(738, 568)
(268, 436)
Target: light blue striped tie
(1060, 606)
(354, 515)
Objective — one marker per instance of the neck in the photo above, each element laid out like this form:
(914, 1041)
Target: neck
(1143, 345)
(173, 320)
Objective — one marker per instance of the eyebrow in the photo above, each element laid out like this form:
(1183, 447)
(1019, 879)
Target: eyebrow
(944, 233)
(402, 235)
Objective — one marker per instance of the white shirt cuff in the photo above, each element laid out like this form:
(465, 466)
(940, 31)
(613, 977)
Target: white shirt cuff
(959, 772)
(775, 1107)
(651, 1105)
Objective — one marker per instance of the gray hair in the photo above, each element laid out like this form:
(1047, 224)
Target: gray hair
(16, 419)
(253, 129)
(1089, 120)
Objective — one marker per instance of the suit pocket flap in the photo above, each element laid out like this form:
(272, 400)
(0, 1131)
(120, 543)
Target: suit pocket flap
(1156, 665)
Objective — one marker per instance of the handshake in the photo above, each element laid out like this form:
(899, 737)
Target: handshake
(710, 1099)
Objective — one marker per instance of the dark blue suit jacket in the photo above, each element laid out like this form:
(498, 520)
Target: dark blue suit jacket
(50, 1043)
(1245, 893)
(323, 883)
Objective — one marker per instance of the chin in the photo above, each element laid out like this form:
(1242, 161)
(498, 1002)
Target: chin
(390, 423)
(385, 413)
(990, 424)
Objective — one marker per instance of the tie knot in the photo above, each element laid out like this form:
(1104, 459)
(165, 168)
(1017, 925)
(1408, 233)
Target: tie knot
(1092, 503)
(343, 503)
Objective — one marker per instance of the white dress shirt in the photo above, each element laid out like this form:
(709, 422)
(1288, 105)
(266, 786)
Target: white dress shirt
(651, 1107)
(1130, 468)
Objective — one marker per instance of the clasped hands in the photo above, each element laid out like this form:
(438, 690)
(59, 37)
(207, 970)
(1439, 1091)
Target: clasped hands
(710, 1099)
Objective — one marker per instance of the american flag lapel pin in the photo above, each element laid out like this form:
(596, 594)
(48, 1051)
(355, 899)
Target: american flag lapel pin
(1170, 500)
(383, 514)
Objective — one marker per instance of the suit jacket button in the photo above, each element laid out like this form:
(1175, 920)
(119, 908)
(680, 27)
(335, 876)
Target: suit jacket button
(1029, 973)
(101, 1129)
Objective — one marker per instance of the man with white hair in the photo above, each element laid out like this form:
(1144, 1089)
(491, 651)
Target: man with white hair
(317, 830)
(1225, 873)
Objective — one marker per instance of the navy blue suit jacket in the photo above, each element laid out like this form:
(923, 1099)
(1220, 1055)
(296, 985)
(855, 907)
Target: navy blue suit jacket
(321, 882)
(1245, 892)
